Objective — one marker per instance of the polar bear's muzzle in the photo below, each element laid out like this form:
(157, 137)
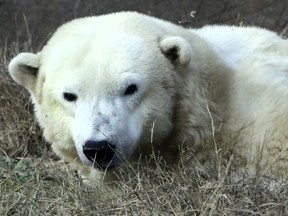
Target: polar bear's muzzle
(101, 154)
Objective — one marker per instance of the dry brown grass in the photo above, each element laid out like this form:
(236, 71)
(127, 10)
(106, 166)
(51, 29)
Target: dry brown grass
(19, 134)
(31, 183)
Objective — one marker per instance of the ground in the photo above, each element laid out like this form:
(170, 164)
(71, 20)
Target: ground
(34, 187)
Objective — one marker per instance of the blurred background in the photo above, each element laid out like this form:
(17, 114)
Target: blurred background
(33, 21)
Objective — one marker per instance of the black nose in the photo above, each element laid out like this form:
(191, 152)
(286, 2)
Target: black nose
(99, 152)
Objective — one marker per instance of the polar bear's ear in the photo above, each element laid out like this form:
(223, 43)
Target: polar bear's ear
(177, 50)
(24, 69)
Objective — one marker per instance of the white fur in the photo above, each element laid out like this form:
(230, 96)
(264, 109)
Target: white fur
(219, 83)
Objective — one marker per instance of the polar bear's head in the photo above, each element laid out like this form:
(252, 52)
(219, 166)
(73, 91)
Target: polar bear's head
(101, 90)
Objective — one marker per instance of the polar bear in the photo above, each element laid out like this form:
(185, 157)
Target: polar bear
(111, 88)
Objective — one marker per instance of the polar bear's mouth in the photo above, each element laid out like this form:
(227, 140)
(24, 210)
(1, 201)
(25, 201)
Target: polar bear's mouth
(101, 154)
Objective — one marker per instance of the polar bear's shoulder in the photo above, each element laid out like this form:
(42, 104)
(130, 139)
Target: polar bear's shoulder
(235, 43)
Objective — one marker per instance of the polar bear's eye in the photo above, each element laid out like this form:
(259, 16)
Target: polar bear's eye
(131, 89)
(69, 96)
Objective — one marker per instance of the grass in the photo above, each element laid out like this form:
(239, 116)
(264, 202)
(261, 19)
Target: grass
(34, 182)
